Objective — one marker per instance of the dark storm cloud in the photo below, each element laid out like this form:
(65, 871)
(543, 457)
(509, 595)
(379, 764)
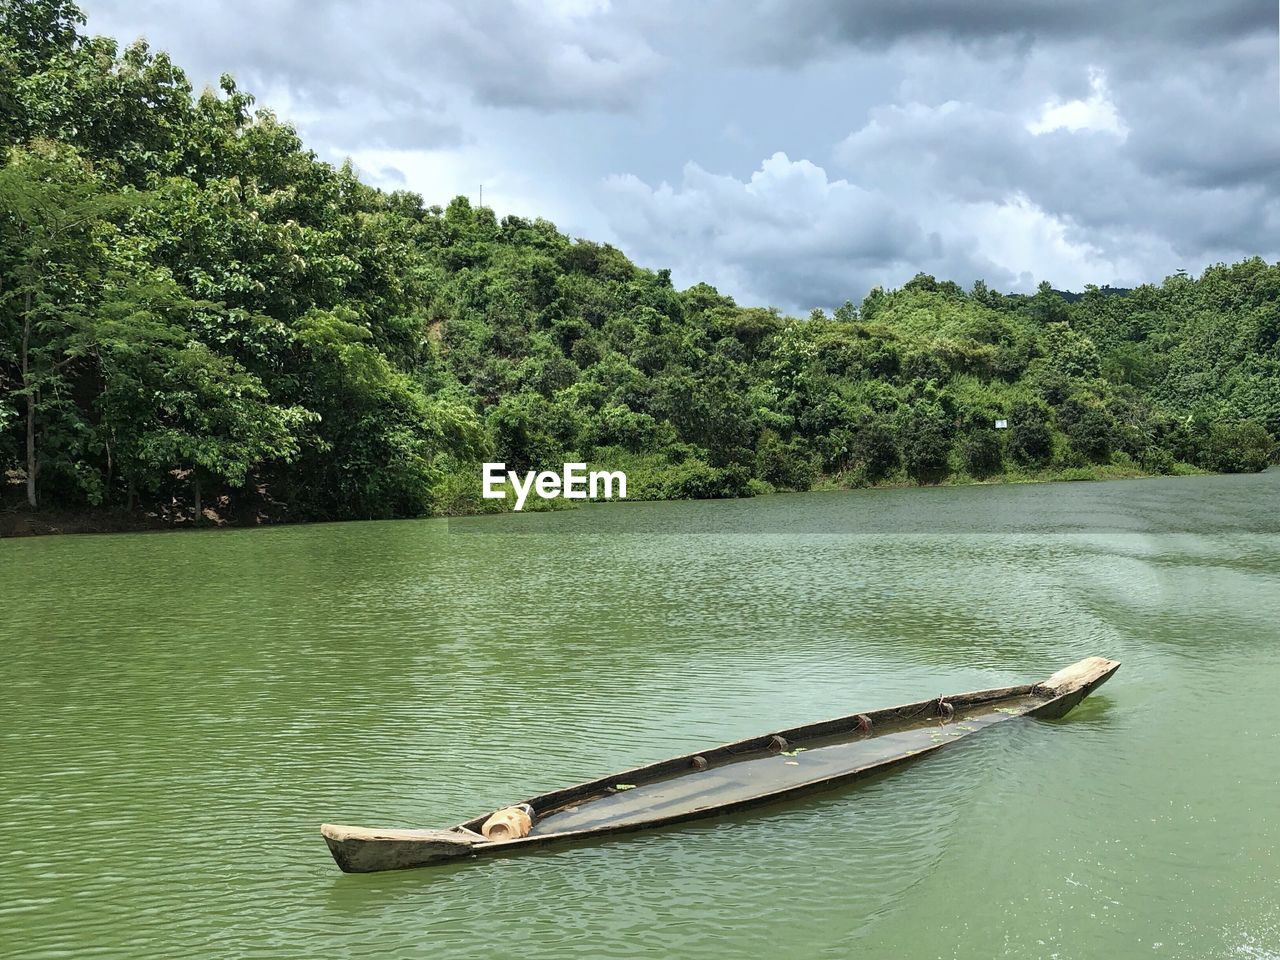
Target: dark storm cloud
(1092, 178)
(401, 75)
(792, 29)
(1105, 142)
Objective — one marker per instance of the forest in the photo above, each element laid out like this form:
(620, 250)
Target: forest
(202, 321)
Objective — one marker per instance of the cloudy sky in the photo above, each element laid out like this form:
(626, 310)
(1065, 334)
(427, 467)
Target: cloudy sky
(792, 153)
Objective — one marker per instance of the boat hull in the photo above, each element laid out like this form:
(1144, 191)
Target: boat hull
(730, 778)
(362, 850)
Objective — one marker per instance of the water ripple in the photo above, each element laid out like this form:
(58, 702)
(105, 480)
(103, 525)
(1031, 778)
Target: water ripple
(184, 711)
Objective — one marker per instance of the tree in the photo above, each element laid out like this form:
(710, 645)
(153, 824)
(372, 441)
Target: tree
(1071, 353)
(1089, 428)
(1047, 306)
(925, 439)
(787, 466)
(210, 417)
(874, 446)
(520, 439)
(53, 214)
(168, 403)
(39, 30)
(980, 453)
(1030, 439)
(381, 443)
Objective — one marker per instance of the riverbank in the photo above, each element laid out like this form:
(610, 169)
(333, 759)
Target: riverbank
(1092, 472)
(39, 523)
(21, 522)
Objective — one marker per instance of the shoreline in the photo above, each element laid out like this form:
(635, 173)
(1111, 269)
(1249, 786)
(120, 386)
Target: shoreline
(19, 523)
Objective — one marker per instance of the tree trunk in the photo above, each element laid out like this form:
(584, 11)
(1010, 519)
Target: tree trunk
(195, 488)
(31, 450)
(31, 404)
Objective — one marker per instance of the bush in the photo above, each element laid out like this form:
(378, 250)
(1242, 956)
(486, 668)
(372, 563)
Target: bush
(619, 425)
(981, 454)
(925, 365)
(1244, 447)
(926, 446)
(696, 480)
(1157, 460)
(874, 448)
(1069, 456)
(788, 466)
(1030, 439)
(1090, 429)
(517, 424)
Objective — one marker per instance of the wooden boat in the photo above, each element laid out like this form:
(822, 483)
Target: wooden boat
(735, 776)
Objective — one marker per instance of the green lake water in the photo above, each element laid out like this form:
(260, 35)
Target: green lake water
(181, 712)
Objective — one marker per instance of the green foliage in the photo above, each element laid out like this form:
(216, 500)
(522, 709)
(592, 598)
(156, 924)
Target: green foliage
(1089, 428)
(695, 480)
(190, 299)
(1030, 439)
(925, 439)
(518, 424)
(1238, 447)
(875, 449)
(785, 466)
(980, 453)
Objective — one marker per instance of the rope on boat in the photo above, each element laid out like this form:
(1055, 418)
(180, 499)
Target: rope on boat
(777, 743)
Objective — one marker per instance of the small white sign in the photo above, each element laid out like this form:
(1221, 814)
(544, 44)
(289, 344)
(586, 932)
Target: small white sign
(1002, 424)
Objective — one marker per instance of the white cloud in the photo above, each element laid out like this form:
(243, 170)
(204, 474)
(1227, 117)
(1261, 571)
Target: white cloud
(787, 234)
(1095, 113)
(975, 144)
(957, 190)
(1024, 239)
(344, 56)
(440, 175)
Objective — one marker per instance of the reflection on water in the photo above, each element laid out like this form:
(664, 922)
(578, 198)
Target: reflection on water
(183, 711)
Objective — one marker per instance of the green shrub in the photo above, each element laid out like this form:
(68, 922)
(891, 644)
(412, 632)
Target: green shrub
(1030, 439)
(788, 466)
(926, 445)
(1156, 459)
(980, 453)
(696, 480)
(874, 448)
(1089, 428)
(1238, 447)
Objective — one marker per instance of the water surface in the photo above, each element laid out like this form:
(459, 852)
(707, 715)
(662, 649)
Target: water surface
(182, 711)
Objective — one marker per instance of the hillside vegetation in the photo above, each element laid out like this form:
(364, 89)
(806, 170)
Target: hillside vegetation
(196, 312)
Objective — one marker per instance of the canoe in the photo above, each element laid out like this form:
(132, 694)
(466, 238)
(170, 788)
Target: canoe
(764, 769)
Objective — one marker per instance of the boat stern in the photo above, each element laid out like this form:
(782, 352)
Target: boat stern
(365, 850)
